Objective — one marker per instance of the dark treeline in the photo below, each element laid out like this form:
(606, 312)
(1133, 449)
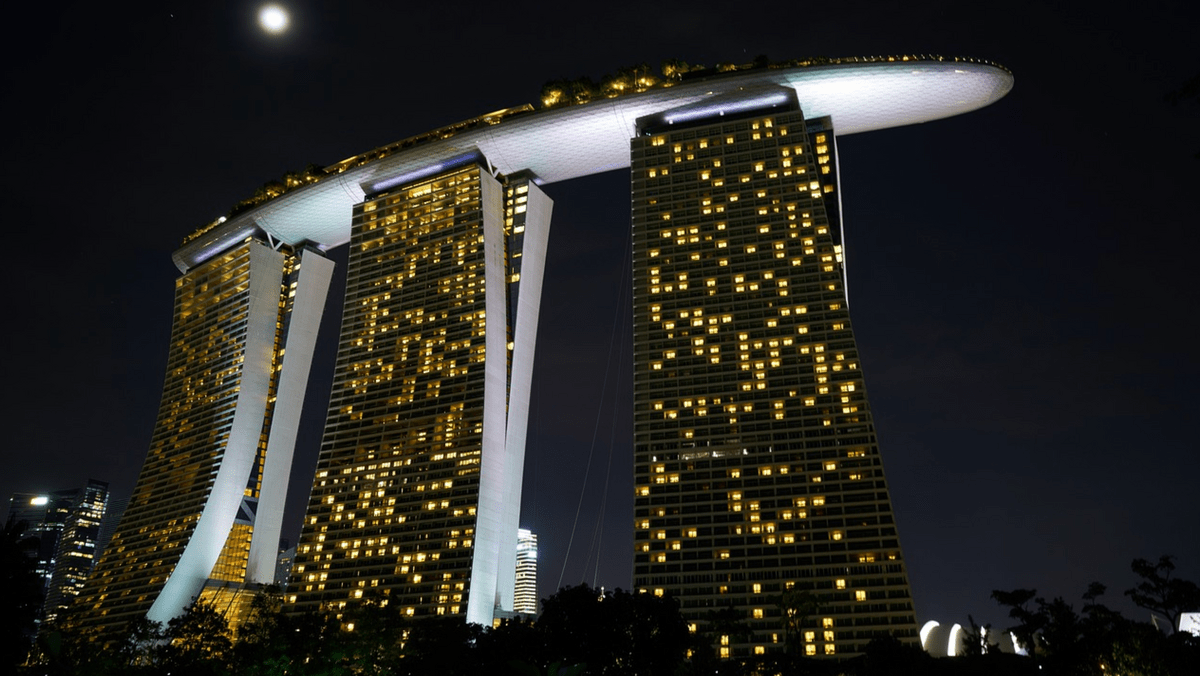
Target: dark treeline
(583, 631)
(1098, 640)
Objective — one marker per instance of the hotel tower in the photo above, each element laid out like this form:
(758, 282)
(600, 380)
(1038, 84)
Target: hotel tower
(417, 492)
(758, 480)
(758, 476)
(207, 510)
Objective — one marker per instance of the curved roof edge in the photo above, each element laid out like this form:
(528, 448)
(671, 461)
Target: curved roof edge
(559, 144)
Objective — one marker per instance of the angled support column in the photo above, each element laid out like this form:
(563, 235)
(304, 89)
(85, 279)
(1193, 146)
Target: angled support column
(312, 287)
(238, 453)
(524, 335)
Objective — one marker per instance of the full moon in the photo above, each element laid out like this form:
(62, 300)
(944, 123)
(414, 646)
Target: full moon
(273, 19)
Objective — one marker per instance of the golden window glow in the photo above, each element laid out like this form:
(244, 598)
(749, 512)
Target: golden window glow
(782, 380)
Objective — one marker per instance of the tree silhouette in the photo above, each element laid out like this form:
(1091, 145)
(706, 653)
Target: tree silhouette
(796, 607)
(22, 597)
(1029, 621)
(976, 639)
(1160, 593)
(614, 633)
(197, 642)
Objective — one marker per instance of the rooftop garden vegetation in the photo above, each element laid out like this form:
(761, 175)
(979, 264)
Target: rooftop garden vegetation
(556, 94)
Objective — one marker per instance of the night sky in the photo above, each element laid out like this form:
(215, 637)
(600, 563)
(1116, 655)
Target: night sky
(1020, 277)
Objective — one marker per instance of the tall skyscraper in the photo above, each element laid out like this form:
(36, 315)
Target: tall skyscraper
(758, 474)
(416, 495)
(526, 598)
(207, 508)
(756, 465)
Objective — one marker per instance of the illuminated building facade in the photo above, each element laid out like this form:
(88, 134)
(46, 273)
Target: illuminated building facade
(207, 508)
(757, 470)
(77, 548)
(113, 511)
(416, 495)
(283, 564)
(39, 518)
(60, 530)
(526, 598)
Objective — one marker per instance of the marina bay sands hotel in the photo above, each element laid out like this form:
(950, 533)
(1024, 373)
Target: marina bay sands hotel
(757, 471)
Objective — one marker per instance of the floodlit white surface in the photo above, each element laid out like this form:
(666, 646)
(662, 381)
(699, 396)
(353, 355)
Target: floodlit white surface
(524, 335)
(925, 630)
(1190, 622)
(940, 640)
(955, 639)
(1017, 646)
(241, 445)
(489, 515)
(312, 287)
(573, 141)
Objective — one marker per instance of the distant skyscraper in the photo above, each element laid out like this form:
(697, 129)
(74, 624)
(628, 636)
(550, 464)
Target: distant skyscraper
(756, 466)
(207, 508)
(417, 487)
(77, 552)
(283, 565)
(40, 518)
(65, 525)
(526, 598)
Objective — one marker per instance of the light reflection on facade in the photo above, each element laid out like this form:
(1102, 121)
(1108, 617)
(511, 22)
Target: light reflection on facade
(526, 598)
